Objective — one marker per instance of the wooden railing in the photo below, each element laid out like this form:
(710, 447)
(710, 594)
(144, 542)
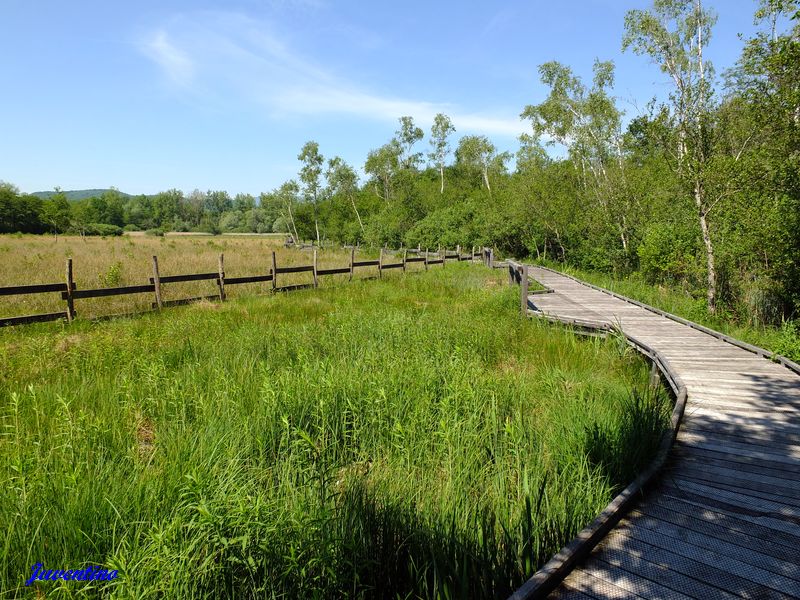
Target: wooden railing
(70, 292)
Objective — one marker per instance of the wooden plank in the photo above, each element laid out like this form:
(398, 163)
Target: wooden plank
(37, 288)
(297, 269)
(588, 583)
(437, 261)
(744, 433)
(634, 586)
(735, 457)
(789, 456)
(392, 266)
(741, 485)
(566, 592)
(767, 584)
(249, 279)
(189, 277)
(751, 556)
(338, 271)
(41, 318)
(414, 259)
(768, 540)
(634, 558)
(366, 263)
(708, 576)
(740, 503)
(115, 291)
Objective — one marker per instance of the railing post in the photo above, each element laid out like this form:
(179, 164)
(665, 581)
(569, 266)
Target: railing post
(70, 288)
(491, 258)
(274, 272)
(405, 256)
(316, 283)
(157, 283)
(524, 293)
(221, 280)
(426, 259)
(511, 278)
(380, 264)
(352, 258)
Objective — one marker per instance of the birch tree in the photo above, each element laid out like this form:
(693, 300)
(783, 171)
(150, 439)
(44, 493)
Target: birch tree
(407, 136)
(674, 34)
(310, 175)
(342, 179)
(441, 129)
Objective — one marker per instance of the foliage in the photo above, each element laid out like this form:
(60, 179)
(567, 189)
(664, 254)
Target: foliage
(403, 438)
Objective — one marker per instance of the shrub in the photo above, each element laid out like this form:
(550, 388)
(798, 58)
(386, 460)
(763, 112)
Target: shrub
(102, 229)
(155, 232)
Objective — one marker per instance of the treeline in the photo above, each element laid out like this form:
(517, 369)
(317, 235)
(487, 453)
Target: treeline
(701, 191)
(111, 213)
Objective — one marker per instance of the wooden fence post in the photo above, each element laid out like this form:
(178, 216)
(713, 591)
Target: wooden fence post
(352, 258)
(440, 255)
(70, 288)
(491, 258)
(316, 283)
(511, 274)
(524, 287)
(405, 256)
(157, 283)
(426, 259)
(221, 280)
(458, 253)
(274, 272)
(380, 263)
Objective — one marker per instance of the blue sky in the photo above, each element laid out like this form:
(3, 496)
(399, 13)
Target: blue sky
(146, 95)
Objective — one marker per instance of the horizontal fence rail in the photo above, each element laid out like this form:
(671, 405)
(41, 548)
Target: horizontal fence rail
(69, 291)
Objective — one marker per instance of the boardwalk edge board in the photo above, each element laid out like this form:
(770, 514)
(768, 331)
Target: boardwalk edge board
(547, 579)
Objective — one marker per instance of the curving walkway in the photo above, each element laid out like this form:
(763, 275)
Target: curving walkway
(723, 520)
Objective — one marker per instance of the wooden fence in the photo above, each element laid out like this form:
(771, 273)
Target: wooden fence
(70, 292)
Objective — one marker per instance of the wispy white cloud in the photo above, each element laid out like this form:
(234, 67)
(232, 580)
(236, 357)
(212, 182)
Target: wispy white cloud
(174, 62)
(225, 54)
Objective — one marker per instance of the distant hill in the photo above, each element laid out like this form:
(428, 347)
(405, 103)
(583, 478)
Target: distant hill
(75, 195)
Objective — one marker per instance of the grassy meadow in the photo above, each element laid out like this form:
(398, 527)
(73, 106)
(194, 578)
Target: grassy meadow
(127, 260)
(411, 437)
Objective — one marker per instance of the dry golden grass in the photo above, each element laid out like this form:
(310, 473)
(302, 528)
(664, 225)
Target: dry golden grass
(127, 260)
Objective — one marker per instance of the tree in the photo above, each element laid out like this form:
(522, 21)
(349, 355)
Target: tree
(441, 129)
(587, 122)
(476, 151)
(674, 34)
(287, 195)
(310, 175)
(383, 165)
(56, 212)
(407, 136)
(342, 179)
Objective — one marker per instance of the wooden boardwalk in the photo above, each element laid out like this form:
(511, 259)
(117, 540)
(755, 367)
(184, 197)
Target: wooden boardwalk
(723, 520)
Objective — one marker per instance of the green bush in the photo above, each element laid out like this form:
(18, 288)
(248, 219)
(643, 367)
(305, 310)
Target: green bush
(102, 229)
(668, 253)
(155, 232)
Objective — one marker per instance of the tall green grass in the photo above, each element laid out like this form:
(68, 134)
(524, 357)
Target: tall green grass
(411, 437)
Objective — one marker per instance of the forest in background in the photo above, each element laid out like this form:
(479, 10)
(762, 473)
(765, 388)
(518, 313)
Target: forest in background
(700, 191)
